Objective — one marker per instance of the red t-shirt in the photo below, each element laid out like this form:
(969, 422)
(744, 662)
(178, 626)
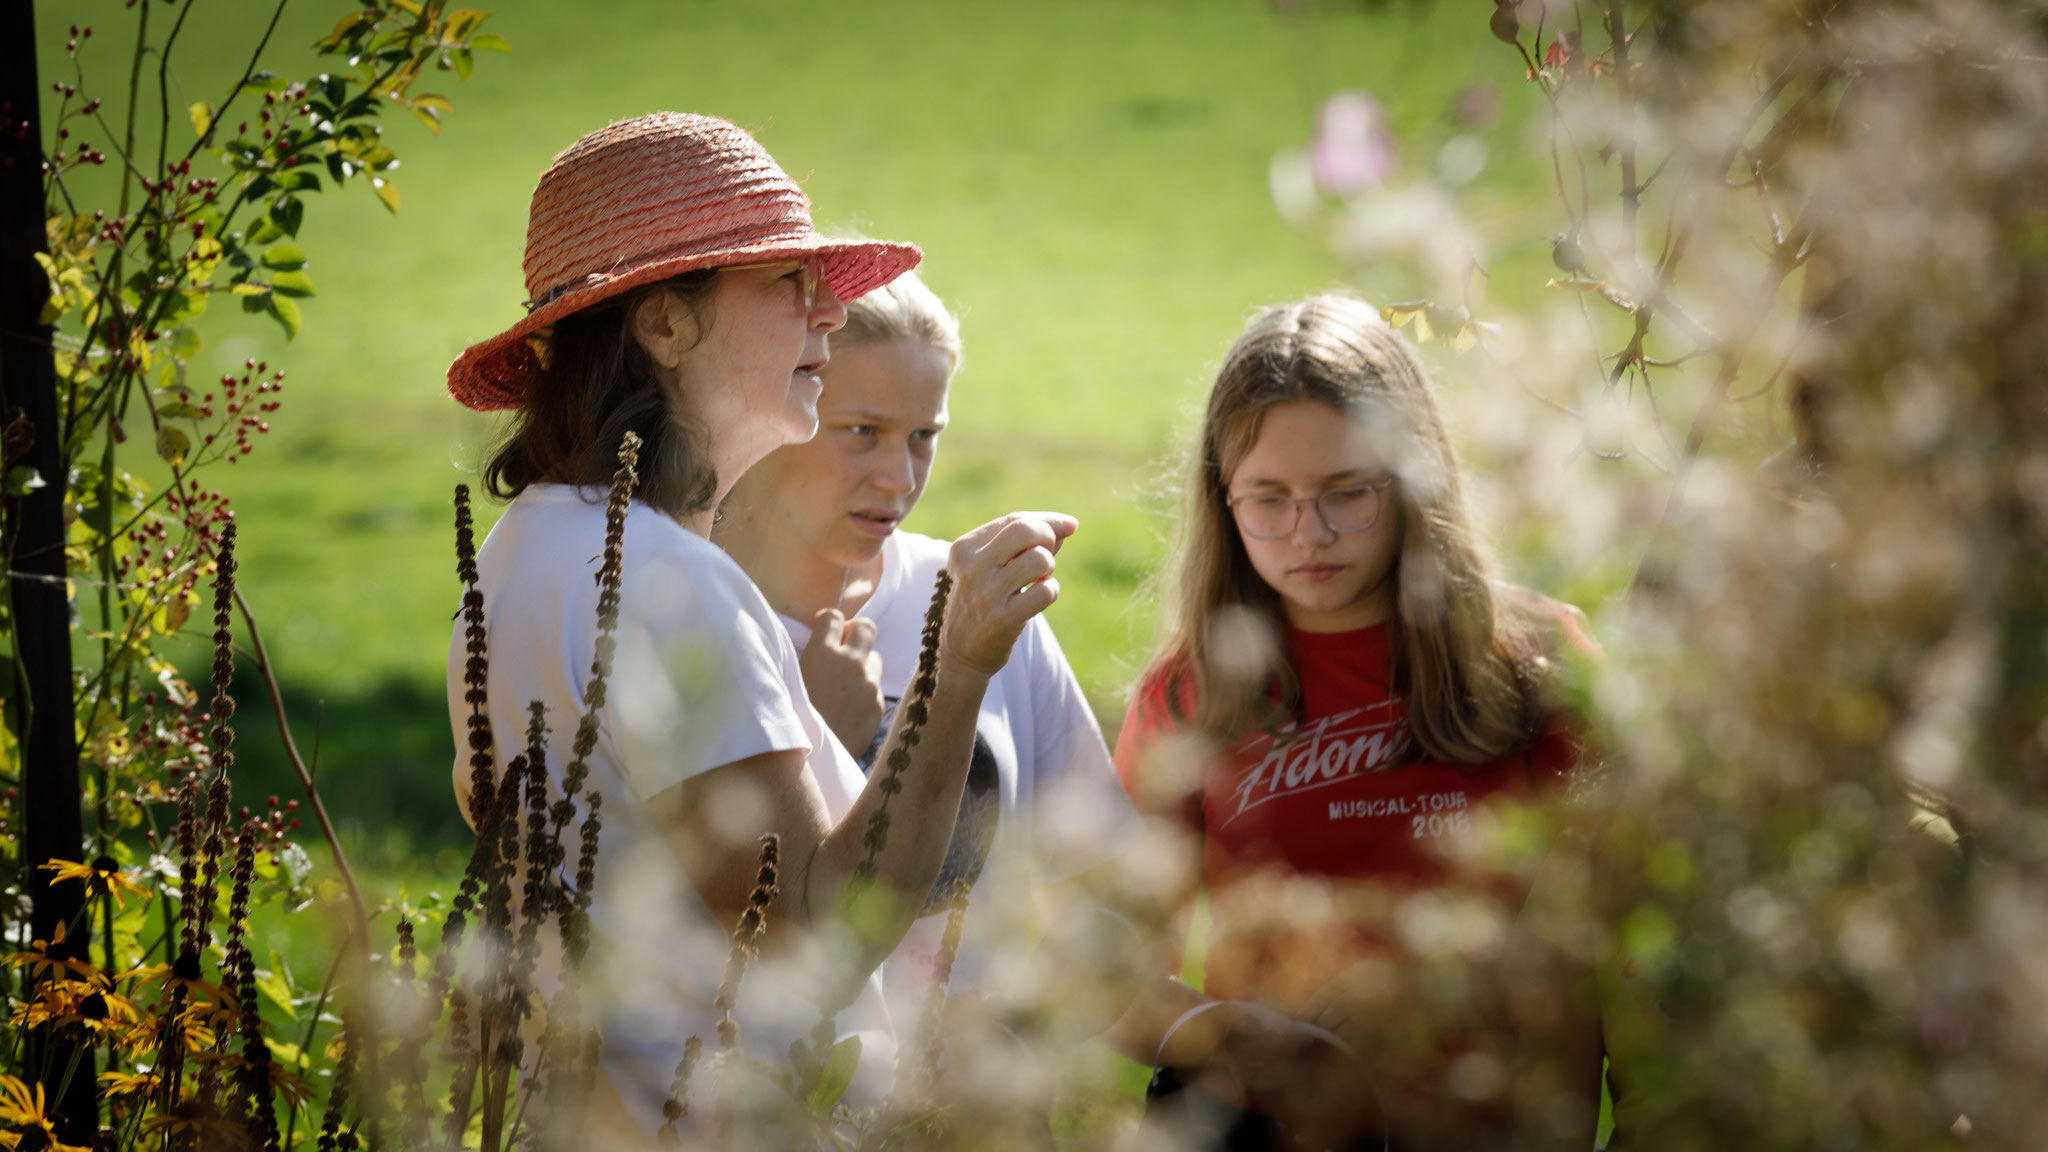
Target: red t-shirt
(1344, 794)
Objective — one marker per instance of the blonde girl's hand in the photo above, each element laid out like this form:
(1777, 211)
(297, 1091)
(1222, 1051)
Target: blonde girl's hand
(843, 677)
(1002, 577)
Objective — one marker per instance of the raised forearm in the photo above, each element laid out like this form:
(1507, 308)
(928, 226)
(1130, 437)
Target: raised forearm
(919, 818)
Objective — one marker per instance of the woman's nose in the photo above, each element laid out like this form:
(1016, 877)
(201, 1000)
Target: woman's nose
(828, 312)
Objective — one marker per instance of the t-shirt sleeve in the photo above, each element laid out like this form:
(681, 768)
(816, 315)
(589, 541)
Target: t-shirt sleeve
(1159, 760)
(1081, 816)
(699, 680)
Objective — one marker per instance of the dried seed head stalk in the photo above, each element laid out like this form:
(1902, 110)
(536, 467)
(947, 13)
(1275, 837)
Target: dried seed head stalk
(188, 874)
(476, 665)
(421, 1013)
(461, 1050)
(932, 1028)
(255, 1105)
(331, 1136)
(506, 997)
(543, 855)
(916, 710)
(576, 923)
(482, 758)
(222, 739)
(575, 909)
(677, 1105)
(746, 936)
(609, 576)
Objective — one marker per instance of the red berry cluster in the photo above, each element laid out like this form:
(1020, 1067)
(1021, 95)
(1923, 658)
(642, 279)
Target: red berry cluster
(203, 514)
(237, 394)
(275, 822)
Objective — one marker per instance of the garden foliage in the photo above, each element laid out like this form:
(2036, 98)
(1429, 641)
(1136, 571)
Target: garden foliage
(140, 1015)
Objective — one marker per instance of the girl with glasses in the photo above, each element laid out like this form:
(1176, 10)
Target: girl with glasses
(679, 293)
(1345, 705)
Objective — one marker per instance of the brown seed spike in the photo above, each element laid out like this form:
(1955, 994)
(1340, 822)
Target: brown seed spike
(745, 937)
(915, 713)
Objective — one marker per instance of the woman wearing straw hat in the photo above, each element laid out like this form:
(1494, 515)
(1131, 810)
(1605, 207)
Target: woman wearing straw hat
(679, 292)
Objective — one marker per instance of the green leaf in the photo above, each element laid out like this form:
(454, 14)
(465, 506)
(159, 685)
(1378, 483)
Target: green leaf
(249, 289)
(57, 302)
(22, 480)
(838, 1074)
(285, 1052)
(172, 445)
(342, 28)
(189, 306)
(489, 42)
(202, 118)
(264, 82)
(265, 231)
(465, 62)
(286, 312)
(427, 116)
(271, 983)
(185, 343)
(458, 25)
(179, 410)
(292, 284)
(284, 257)
(203, 259)
(287, 212)
(296, 180)
(387, 192)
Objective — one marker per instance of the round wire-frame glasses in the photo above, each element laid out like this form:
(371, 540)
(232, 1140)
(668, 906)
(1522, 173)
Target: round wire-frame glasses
(1344, 509)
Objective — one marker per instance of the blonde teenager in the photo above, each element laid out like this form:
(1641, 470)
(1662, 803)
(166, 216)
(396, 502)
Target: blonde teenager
(819, 526)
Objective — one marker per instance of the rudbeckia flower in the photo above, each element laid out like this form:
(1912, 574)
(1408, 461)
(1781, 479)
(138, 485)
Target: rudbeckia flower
(102, 877)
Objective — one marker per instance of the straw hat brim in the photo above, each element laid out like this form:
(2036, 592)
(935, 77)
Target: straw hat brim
(495, 374)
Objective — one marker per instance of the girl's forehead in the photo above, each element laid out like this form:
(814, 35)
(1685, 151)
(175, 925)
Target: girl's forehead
(899, 378)
(1311, 439)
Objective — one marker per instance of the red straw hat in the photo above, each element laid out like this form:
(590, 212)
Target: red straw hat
(644, 200)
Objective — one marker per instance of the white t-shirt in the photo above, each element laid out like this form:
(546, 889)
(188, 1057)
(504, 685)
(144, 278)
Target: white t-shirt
(1042, 803)
(702, 677)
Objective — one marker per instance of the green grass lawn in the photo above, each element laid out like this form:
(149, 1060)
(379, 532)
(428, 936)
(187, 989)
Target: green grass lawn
(1089, 181)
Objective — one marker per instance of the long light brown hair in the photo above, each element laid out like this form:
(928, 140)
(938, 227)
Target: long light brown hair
(1467, 655)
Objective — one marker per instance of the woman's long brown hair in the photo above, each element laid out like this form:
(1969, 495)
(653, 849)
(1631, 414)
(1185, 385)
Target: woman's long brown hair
(1466, 654)
(597, 385)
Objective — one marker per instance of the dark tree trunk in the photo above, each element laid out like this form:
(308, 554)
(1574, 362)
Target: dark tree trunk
(40, 695)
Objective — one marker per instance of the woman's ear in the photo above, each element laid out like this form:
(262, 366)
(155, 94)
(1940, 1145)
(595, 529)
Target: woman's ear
(664, 327)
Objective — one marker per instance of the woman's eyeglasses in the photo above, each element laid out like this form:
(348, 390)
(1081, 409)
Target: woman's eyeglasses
(808, 273)
(1273, 515)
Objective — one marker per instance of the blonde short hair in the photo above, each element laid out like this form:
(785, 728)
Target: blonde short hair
(904, 309)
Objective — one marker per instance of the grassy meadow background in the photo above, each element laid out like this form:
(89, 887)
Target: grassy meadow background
(1089, 180)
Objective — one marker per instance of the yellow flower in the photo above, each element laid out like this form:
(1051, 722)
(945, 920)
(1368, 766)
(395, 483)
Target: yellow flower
(23, 1106)
(119, 1084)
(40, 961)
(102, 877)
(105, 1014)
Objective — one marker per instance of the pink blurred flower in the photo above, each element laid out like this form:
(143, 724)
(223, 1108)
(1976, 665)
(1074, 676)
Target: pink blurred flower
(1353, 149)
